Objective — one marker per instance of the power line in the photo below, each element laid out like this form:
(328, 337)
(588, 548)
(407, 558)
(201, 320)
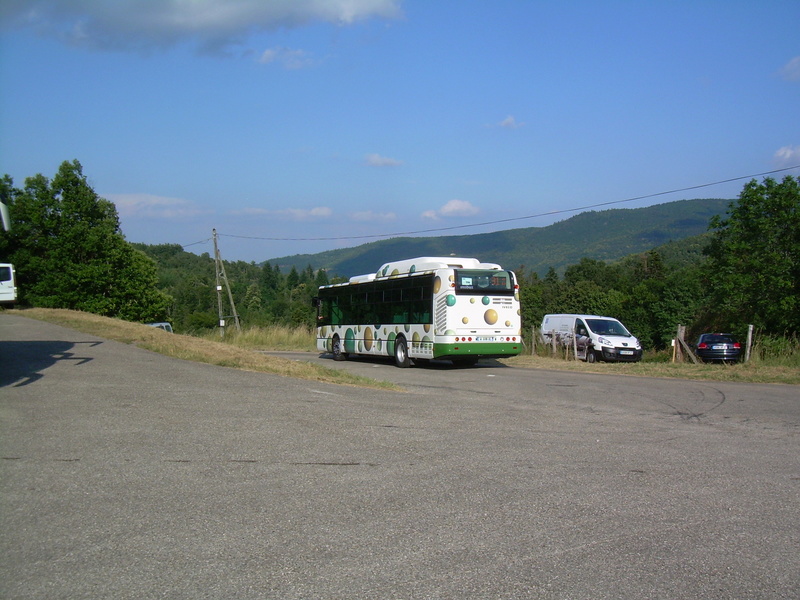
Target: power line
(205, 241)
(509, 220)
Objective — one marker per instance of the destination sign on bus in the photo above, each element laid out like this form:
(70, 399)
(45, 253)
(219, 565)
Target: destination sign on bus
(483, 281)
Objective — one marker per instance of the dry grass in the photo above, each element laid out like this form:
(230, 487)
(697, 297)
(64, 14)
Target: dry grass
(196, 349)
(745, 372)
(272, 337)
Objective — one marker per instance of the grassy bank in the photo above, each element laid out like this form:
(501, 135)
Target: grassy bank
(196, 349)
(236, 349)
(752, 372)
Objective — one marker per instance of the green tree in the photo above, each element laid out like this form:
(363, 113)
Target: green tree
(292, 279)
(69, 252)
(321, 278)
(753, 267)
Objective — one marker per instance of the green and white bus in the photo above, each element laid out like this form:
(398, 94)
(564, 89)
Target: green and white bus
(458, 309)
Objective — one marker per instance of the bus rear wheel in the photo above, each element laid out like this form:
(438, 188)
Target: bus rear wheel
(336, 348)
(401, 358)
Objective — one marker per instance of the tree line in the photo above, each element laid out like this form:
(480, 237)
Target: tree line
(69, 252)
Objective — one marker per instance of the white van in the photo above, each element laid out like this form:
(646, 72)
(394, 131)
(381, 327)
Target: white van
(597, 338)
(8, 284)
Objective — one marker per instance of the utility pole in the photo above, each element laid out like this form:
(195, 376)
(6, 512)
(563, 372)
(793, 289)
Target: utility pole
(219, 268)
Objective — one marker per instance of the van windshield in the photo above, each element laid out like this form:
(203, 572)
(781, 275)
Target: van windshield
(607, 327)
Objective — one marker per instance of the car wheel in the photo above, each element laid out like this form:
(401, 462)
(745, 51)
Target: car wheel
(591, 356)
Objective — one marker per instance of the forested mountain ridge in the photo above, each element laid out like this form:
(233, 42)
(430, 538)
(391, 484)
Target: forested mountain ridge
(606, 235)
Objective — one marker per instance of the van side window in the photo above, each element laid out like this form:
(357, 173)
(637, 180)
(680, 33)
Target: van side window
(580, 328)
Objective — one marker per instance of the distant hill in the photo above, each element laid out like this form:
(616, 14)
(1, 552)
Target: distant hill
(606, 235)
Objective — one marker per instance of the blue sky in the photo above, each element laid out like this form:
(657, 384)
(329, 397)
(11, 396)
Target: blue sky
(285, 123)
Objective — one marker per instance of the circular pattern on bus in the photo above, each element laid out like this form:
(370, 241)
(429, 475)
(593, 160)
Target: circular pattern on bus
(349, 341)
(368, 339)
(490, 316)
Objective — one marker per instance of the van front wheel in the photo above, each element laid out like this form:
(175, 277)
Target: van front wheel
(591, 356)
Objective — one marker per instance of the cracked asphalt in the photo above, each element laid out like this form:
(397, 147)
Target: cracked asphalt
(126, 474)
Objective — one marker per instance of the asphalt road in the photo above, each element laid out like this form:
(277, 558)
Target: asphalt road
(125, 474)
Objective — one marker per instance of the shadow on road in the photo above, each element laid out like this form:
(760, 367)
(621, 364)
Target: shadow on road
(22, 363)
(442, 364)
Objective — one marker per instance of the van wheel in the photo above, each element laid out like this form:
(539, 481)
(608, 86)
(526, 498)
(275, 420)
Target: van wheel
(591, 356)
(401, 353)
(337, 349)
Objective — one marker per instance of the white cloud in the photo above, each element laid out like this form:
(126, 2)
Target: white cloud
(458, 208)
(510, 123)
(292, 214)
(368, 215)
(376, 160)
(250, 211)
(454, 208)
(150, 206)
(288, 58)
(787, 156)
(213, 24)
(791, 70)
(302, 214)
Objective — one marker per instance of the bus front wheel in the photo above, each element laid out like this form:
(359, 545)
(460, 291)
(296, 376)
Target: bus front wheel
(337, 349)
(401, 353)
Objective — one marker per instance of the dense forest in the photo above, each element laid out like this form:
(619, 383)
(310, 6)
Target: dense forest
(69, 253)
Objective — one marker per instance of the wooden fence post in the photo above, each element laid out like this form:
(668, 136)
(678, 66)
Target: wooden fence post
(678, 354)
(680, 342)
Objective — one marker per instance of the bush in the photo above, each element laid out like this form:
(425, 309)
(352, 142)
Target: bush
(776, 350)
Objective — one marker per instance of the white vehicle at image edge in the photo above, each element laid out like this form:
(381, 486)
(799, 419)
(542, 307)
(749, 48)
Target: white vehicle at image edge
(8, 284)
(595, 337)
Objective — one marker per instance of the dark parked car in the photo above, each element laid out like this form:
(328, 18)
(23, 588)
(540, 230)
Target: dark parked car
(718, 346)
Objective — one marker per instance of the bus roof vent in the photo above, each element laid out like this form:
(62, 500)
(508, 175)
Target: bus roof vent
(430, 263)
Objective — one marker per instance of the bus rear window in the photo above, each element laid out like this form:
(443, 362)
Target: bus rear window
(484, 282)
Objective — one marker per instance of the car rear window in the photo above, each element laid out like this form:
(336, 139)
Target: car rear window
(718, 339)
